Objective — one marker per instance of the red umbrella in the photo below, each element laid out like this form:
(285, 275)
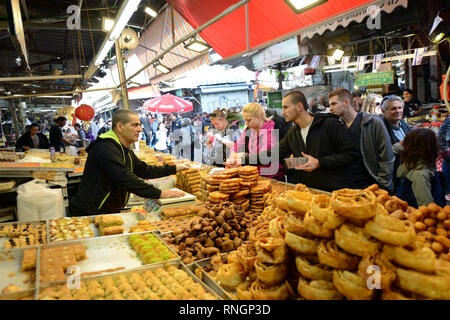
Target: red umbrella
(167, 104)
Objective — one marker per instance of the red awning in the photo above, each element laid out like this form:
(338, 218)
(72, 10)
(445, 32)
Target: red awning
(267, 21)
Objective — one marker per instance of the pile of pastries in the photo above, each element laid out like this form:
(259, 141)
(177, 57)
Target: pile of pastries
(189, 180)
(169, 283)
(66, 229)
(343, 246)
(55, 261)
(22, 235)
(142, 226)
(182, 211)
(149, 248)
(109, 224)
(221, 229)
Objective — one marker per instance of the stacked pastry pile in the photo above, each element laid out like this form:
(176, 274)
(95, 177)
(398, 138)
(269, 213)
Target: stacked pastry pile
(109, 224)
(258, 195)
(344, 246)
(143, 225)
(64, 229)
(22, 235)
(55, 261)
(432, 223)
(189, 180)
(182, 211)
(149, 248)
(222, 228)
(169, 283)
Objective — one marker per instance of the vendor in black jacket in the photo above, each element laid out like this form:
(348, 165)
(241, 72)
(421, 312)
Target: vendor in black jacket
(112, 171)
(322, 139)
(32, 139)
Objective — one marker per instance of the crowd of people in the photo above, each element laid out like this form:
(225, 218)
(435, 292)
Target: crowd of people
(339, 141)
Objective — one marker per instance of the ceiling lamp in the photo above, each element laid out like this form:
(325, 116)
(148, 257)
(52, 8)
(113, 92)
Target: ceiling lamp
(196, 45)
(161, 67)
(337, 54)
(107, 24)
(150, 12)
(300, 6)
(124, 15)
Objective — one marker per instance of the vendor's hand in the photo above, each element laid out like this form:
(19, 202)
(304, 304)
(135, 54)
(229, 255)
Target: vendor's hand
(166, 194)
(228, 143)
(309, 166)
(182, 166)
(234, 160)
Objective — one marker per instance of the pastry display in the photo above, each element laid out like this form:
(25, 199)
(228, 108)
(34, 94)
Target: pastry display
(169, 225)
(65, 229)
(168, 283)
(189, 180)
(21, 235)
(55, 261)
(109, 224)
(223, 228)
(182, 211)
(143, 225)
(149, 248)
(29, 259)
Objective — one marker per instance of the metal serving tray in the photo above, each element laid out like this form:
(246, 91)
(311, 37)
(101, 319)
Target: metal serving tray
(140, 270)
(108, 252)
(5, 238)
(129, 219)
(11, 272)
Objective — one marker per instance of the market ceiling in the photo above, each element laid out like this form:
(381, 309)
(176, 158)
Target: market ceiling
(51, 45)
(267, 21)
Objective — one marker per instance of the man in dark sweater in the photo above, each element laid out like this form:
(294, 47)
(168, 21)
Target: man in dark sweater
(32, 139)
(322, 139)
(113, 171)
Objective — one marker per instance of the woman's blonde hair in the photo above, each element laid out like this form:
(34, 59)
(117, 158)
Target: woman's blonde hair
(369, 103)
(254, 109)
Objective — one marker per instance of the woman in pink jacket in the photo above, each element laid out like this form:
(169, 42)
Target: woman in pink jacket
(259, 136)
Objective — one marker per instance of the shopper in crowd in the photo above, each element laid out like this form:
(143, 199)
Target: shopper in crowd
(106, 127)
(392, 109)
(420, 182)
(357, 102)
(375, 163)
(147, 127)
(372, 104)
(57, 140)
(113, 171)
(43, 129)
(32, 139)
(312, 103)
(161, 138)
(206, 122)
(93, 130)
(154, 127)
(412, 106)
(259, 135)
(220, 139)
(322, 104)
(444, 150)
(185, 136)
(322, 139)
(82, 140)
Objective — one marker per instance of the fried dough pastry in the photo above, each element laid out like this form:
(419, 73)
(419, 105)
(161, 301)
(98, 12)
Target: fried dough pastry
(354, 203)
(421, 258)
(318, 290)
(387, 269)
(310, 268)
(262, 291)
(271, 250)
(261, 230)
(301, 244)
(230, 275)
(276, 227)
(355, 240)
(321, 207)
(351, 285)
(329, 254)
(391, 230)
(430, 286)
(247, 255)
(295, 224)
(316, 228)
(299, 201)
(270, 273)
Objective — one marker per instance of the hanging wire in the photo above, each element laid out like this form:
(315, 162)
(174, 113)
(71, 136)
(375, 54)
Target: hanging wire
(73, 48)
(90, 31)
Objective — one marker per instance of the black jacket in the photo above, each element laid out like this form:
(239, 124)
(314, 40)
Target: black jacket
(56, 138)
(26, 141)
(329, 142)
(111, 172)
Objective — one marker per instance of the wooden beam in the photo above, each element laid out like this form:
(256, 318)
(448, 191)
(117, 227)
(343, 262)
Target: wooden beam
(71, 76)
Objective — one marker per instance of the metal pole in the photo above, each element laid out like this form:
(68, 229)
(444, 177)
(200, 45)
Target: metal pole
(121, 70)
(12, 110)
(188, 36)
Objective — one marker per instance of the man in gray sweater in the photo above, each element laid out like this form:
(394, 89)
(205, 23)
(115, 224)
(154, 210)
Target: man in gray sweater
(370, 137)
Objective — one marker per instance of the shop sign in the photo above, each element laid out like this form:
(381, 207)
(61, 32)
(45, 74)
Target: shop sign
(276, 53)
(374, 79)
